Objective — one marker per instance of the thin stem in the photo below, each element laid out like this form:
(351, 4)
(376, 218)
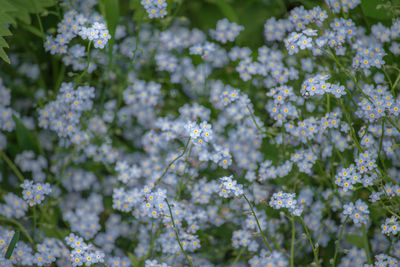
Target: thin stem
(87, 67)
(315, 252)
(395, 84)
(258, 223)
(366, 244)
(176, 234)
(380, 145)
(338, 241)
(23, 230)
(12, 166)
(292, 244)
(254, 120)
(328, 103)
(40, 26)
(238, 257)
(172, 162)
(34, 221)
(387, 77)
(191, 176)
(394, 124)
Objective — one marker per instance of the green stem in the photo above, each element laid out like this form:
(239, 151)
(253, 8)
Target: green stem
(77, 80)
(380, 145)
(395, 84)
(176, 234)
(12, 166)
(292, 244)
(328, 102)
(315, 252)
(258, 223)
(366, 244)
(23, 230)
(393, 123)
(238, 257)
(172, 162)
(40, 26)
(268, 133)
(338, 241)
(34, 222)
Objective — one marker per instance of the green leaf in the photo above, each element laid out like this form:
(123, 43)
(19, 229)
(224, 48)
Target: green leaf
(355, 240)
(12, 244)
(25, 139)
(227, 10)
(4, 56)
(139, 12)
(15, 11)
(370, 9)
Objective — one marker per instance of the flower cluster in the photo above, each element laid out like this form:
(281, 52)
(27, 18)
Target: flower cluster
(34, 193)
(391, 226)
(83, 253)
(226, 31)
(6, 121)
(64, 114)
(155, 8)
(317, 85)
(200, 134)
(189, 146)
(77, 24)
(229, 187)
(358, 212)
(286, 200)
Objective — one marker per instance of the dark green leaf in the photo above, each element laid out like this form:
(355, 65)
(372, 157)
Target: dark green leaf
(227, 10)
(25, 139)
(12, 244)
(355, 240)
(4, 56)
(370, 9)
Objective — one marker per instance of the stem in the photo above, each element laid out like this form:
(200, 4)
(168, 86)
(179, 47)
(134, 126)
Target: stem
(34, 222)
(292, 244)
(40, 26)
(328, 102)
(12, 166)
(258, 223)
(366, 244)
(87, 67)
(380, 145)
(176, 234)
(338, 241)
(387, 77)
(238, 257)
(395, 84)
(172, 162)
(394, 124)
(23, 230)
(315, 252)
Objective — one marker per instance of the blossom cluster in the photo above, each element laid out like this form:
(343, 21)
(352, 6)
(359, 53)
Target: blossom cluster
(171, 145)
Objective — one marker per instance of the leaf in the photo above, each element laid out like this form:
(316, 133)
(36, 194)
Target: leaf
(3, 55)
(14, 11)
(227, 10)
(369, 8)
(25, 139)
(12, 244)
(355, 240)
(139, 12)
(111, 9)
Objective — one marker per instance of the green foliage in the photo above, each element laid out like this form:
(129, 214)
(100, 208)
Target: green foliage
(12, 244)
(110, 11)
(355, 240)
(13, 12)
(25, 139)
